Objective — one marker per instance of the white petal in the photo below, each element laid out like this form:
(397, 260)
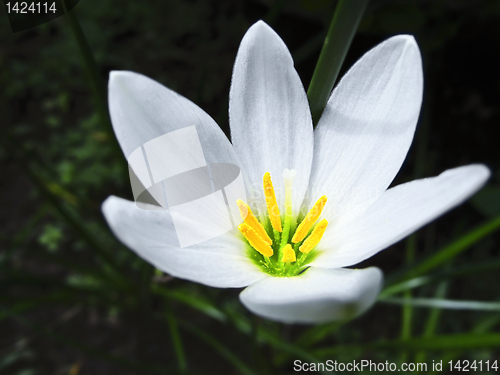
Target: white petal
(142, 109)
(368, 124)
(220, 262)
(318, 295)
(399, 212)
(271, 126)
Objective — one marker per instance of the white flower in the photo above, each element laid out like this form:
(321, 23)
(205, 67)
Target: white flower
(352, 157)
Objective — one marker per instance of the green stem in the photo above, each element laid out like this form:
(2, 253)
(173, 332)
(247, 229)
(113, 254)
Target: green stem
(286, 233)
(432, 320)
(176, 338)
(96, 83)
(411, 244)
(345, 21)
(220, 348)
(257, 353)
(406, 327)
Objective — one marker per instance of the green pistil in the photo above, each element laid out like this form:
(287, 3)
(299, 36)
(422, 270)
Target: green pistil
(276, 236)
(287, 267)
(286, 231)
(301, 260)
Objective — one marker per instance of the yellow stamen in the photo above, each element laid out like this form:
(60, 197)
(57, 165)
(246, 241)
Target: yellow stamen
(255, 240)
(272, 206)
(288, 254)
(251, 220)
(309, 220)
(315, 237)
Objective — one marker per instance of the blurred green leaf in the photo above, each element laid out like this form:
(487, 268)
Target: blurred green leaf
(442, 275)
(449, 252)
(126, 363)
(22, 234)
(197, 302)
(484, 326)
(78, 225)
(231, 315)
(432, 321)
(444, 303)
(51, 237)
(105, 280)
(219, 348)
(268, 337)
(441, 342)
(95, 80)
(18, 309)
(176, 337)
(18, 353)
(316, 334)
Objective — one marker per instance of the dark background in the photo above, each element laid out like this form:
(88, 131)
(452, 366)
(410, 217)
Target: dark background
(59, 162)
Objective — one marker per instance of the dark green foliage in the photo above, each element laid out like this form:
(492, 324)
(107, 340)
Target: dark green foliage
(73, 300)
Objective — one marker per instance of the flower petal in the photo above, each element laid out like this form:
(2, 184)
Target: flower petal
(368, 124)
(271, 126)
(399, 212)
(142, 109)
(220, 262)
(316, 296)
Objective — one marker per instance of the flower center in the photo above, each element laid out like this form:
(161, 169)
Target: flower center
(275, 242)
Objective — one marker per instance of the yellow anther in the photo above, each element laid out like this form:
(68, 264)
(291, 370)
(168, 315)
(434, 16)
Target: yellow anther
(311, 241)
(272, 206)
(255, 240)
(309, 220)
(251, 220)
(288, 254)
